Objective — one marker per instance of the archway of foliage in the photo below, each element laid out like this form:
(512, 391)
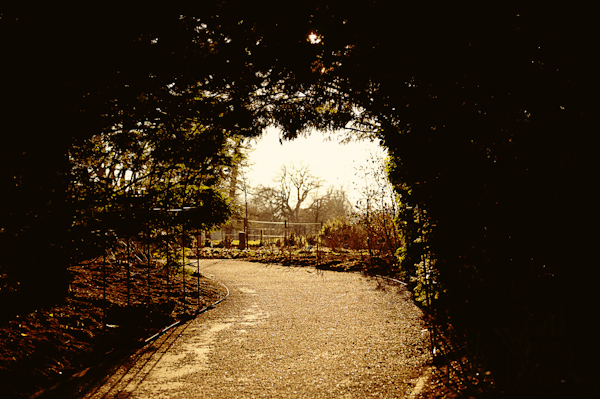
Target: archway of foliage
(485, 115)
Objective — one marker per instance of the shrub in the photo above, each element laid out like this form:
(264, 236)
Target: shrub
(340, 233)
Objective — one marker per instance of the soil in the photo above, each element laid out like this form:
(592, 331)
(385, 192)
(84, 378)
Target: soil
(47, 346)
(112, 310)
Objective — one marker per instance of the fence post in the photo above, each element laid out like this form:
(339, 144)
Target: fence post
(128, 267)
(245, 230)
(183, 259)
(149, 258)
(167, 262)
(198, 266)
(104, 302)
(242, 239)
(286, 241)
(318, 242)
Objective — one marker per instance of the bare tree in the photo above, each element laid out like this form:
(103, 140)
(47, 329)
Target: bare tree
(265, 204)
(297, 198)
(296, 183)
(378, 207)
(331, 205)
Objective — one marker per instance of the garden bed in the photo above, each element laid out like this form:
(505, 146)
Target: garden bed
(94, 321)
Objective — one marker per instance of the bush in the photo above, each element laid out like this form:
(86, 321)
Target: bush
(340, 233)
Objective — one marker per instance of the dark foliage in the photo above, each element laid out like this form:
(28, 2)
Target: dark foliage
(487, 118)
(486, 114)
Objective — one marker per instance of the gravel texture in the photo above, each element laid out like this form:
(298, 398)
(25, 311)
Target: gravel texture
(285, 332)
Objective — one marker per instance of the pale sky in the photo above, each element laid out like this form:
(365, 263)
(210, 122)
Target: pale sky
(333, 162)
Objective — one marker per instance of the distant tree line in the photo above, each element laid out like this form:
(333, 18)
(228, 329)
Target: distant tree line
(296, 195)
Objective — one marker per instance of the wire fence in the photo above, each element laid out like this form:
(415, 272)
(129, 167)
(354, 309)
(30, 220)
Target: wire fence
(159, 271)
(160, 267)
(265, 233)
(284, 242)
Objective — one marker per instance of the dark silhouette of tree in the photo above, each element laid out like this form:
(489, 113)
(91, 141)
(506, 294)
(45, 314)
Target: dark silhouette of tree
(485, 114)
(486, 118)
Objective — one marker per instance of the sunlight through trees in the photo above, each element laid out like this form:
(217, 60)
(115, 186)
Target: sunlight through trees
(485, 114)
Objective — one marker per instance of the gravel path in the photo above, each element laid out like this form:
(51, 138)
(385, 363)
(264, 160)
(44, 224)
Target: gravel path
(285, 332)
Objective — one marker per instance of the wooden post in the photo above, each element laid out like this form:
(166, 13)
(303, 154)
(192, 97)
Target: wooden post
(183, 260)
(242, 240)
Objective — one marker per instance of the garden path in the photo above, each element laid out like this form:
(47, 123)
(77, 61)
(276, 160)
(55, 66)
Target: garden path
(285, 332)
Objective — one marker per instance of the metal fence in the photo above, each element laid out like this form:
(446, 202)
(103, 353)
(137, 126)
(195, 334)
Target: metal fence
(261, 232)
(156, 270)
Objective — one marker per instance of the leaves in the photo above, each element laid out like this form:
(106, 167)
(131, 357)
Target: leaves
(485, 114)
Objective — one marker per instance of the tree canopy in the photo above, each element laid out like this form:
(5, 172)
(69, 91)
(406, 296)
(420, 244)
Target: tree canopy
(484, 111)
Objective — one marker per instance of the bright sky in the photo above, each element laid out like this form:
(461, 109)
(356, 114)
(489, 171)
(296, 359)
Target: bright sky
(333, 162)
